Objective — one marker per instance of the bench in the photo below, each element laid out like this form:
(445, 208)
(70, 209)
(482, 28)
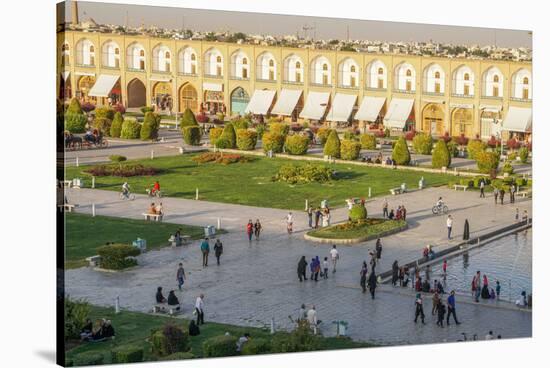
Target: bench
(524, 193)
(165, 308)
(184, 240)
(152, 216)
(395, 191)
(93, 261)
(463, 187)
(66, 207)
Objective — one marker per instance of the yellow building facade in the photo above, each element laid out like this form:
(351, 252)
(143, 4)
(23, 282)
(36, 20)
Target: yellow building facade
(430, 94)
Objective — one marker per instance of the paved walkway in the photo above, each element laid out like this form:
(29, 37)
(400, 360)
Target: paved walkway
(258, 281)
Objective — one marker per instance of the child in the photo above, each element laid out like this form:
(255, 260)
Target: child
(498, 290)
(325, 268)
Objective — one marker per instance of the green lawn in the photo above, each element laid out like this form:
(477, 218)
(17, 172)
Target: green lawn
(250, 183)
(84, 234)
(135, 328)
(371, 229)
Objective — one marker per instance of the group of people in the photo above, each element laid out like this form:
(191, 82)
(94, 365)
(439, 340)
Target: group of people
(156, 209)
(316, 267)
(172, 299)
(318, 215)
(102, 331)
(399, 214)
(438, 308)
(499, 194)
(253, 229)
(480, 288)
(205, 250)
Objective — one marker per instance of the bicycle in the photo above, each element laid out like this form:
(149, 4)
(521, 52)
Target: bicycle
(156, 193)
(437, 210)
(127, 195)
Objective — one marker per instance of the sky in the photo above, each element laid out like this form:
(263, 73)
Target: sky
(274, 24)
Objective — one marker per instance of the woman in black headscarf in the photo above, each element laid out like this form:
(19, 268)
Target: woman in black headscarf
(302, 266)
(372, 283)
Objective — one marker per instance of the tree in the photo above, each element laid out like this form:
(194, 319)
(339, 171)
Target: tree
(332, 146)
(74, 107)
(188, 118)
(350, 149)
(401, 154)
(441, 156)
(423, 144)
(150, 127)
(230, 134)
(487, 162)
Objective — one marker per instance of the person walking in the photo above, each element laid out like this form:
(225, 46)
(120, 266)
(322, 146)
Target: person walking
(385, 208)
(317, 217)
(363, 279)
(495, 194)
(436, 299)
(501, 195)
(482, 188)
(372, 283)
(325, 268)
(205, 249)
(289, 219)
(419, 309)
(218, 250)
(315, 267)
(249, 230)
(302, 265)
(180, 276)
(378, 248)
(440, 313)
(404, 212)
(199, 309)
(451, 307)
(310, 216)
(449, 226)
(477, 284)
(498, 290)
(334, 256)
(257, 229)
(394, 273)
(513, 193)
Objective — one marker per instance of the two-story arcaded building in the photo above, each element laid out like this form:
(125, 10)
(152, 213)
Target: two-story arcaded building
(431, 94)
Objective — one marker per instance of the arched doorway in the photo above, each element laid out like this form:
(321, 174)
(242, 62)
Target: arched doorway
(65, 88)
(188, 98)
(137, 96)
(214, 101)
(433, 117)
(162, 96)
(239, 101)
(85, 84)
(463, 122)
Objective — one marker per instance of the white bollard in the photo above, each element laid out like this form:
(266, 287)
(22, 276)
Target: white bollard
(76, 161)
(152, 154)
(307, 204)
(272, 330)
(93, 209)
(197, 194)
(219, 223)
(93, 182)
(369, 192)
(117, 305)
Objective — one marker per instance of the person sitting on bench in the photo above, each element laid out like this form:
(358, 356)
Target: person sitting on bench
(160, 298)
(152, 209)
(173, 299)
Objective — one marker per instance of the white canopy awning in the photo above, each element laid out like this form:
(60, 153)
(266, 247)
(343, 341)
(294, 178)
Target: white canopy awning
(65, 75)
(287, 101)
(491, 108)
(341, 108)
(214, 87)
(518, 119)
(398, 112)
(316, 105)
(103, 85)
(370, 108)
(260, 102)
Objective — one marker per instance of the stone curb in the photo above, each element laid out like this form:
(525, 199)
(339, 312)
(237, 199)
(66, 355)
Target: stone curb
(355, 240)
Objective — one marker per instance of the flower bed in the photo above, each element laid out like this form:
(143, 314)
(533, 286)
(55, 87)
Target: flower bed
(220, 158)
(122, 170)
(355, 232)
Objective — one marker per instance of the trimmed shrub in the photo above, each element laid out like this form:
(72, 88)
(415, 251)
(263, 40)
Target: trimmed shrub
(350, 150)
(296, 144)
(246, 139)
(387, 132)
(452, 146)
(477, 181)
(214, 134)
(103, 125)
(423, 144)
(191, 135)
(368, 141)
(150, 127)
(487, 162)
(357, 213)
(467, 182)
(350, 135)
(130, 129)
(230, 134)
(524, 154)
(75, 123)
(169, 340)
(441, 156)
(117, 158)
(179, 356)
(76, 313)
(240, 123)
(256, 346)
(188, 118)
(122, 170)
(74, 107)
(301, 339)
(273, 142)
(88, 358)
(332, 145)
(116, 125)
(300, 174)
(219, 346)
(279, 128)
(474, 147)
(322, 135)
(145, 109)
(261, 129)
(104, 113)
(118, 256)
(400, 153)
(127, 354)
(508, 168)
(223, 142)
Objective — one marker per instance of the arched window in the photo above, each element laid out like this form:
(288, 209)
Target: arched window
(466, 76)
(380, 71)
(325, 66)
(298, 65)
(245, 61)
(218, 59)
(495, 78)
(352, 69)
(437, 75)
(525, 80)
(408, 73)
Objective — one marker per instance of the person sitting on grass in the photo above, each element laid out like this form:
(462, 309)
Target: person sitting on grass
(160, 298)
(173, 299)
(391, 216)
(86, 331)
(242, 340)
(108, 330)
(194, 330)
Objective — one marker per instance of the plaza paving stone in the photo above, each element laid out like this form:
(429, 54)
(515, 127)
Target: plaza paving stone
(257, 281)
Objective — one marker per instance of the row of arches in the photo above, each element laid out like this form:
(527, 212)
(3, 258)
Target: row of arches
(434, 79)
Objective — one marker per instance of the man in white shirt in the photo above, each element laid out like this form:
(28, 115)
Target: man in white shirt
(334, 256)
(312, 316)
(289, 220)
(449, 226)
(199, 309)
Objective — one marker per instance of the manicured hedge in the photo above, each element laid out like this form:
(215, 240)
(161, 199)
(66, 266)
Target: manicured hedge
(116, 125)
(474, 147)
(273, 142)
(241, 123)
(280, 128)
(104, 113)
(524, 154)
(130, 129)
(246, 139)
(368, 141)
(230, 134)
(441, 156)
(179, 356)
(487, 162)
(220, 346)
(214, 134)
(423, 144)
(103, 125)
(322, 135)
(192, 135)
(401, 154)
(169, 340)
(357, 213)
(508, 168)
(150, 127)
(350, 149)
(188, 118)
(75, 123)
(296, 144)
(332, 145)
(127, 354)
(256, 346)
(74, 107)
(88, 358)
(117, 256)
